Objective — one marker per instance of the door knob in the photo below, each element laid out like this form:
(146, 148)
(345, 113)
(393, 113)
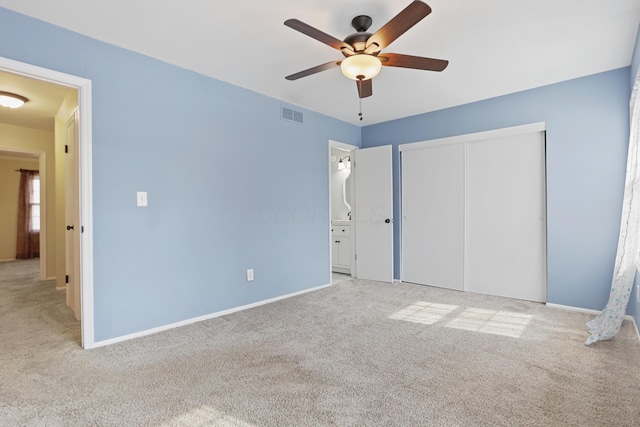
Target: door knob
(387, 220)
(69, 227)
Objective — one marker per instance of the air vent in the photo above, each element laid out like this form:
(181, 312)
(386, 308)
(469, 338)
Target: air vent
(292, 115)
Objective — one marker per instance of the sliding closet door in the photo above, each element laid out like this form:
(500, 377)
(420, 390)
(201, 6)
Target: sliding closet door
(433, 216)
(505, 245)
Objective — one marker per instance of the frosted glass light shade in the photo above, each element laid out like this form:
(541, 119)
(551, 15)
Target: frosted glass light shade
(11, 100)
(361, 67)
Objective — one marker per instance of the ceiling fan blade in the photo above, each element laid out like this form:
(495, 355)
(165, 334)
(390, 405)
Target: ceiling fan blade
(399, 24)
(365, 88)
(313, 70)
(317, 34)
(416, 62)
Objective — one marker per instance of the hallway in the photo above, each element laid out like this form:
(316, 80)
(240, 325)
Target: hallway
(32, 311)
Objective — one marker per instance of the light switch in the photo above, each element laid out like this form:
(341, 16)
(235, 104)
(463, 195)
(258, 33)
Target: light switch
(142, 198)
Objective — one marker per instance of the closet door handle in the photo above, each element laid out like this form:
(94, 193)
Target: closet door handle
(387, 220)
(69, 227)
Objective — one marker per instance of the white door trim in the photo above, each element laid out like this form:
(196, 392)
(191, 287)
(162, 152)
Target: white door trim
(85, 159)
(478, 136)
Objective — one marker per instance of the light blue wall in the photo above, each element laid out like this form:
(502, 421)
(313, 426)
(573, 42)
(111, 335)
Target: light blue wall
(587, 136)
(221, 196)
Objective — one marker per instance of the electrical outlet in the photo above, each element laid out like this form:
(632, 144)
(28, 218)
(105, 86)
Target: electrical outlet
(249, 274)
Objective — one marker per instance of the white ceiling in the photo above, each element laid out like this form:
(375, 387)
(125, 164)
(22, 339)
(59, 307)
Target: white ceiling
(494, 47)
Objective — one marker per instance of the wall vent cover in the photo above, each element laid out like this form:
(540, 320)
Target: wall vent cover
(292, 115)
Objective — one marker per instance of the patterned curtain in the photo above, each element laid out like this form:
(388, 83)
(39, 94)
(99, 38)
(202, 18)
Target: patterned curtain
(607, 324)
(28, 245)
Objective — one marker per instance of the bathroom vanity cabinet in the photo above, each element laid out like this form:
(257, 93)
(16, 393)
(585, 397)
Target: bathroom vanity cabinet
(341, 249)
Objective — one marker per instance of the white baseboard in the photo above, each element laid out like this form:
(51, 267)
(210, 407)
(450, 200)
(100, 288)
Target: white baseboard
(571, 308)
(7, 260)
(202, 318)
(594, 312)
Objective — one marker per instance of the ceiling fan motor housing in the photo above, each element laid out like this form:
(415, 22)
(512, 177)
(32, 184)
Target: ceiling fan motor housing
(358, 40)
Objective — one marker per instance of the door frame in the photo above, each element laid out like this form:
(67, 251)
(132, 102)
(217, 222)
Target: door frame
(83, 86)
(71, 203)
(349, 147)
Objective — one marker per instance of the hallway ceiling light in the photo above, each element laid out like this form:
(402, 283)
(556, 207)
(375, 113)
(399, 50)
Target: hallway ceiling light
(11, 100)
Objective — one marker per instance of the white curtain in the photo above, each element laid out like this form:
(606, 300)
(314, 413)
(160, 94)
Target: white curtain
(607, 324)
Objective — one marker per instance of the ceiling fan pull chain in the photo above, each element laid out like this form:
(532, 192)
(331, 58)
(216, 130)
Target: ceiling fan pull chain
(360, 113)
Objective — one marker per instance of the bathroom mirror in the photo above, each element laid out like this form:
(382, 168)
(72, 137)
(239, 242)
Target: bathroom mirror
(340, 184)
(346, 191)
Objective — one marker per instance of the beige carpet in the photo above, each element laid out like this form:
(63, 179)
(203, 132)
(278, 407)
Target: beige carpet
(355, 354)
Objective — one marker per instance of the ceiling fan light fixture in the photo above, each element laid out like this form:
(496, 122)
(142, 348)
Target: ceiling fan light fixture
(361, 66)
(11, 100)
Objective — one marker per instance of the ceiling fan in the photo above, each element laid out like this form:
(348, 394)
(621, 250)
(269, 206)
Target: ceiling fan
(362, 50)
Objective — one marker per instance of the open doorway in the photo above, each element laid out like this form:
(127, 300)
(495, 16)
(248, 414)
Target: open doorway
(341, 195)
(20, 225)
(54, 101)
(369, 227)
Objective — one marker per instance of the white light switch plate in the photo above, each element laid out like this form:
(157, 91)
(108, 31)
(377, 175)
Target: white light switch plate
(141, 198)
(249, 274)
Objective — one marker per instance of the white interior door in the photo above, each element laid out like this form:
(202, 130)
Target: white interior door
(433, 216)
(373, 174)
(72, 233)
(505, 243)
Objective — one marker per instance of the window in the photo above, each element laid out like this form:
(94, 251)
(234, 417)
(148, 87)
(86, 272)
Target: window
(34, 202)
(28, 229)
